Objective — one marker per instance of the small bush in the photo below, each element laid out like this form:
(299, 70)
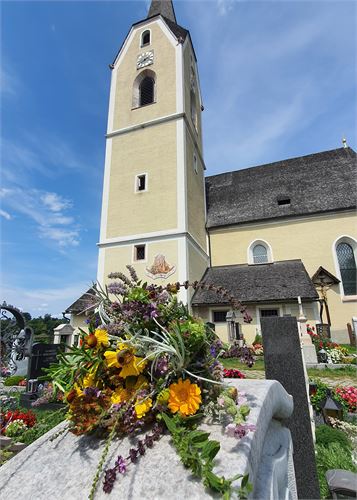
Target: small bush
(333, 456)
(46, 421)
(326, 435)
(13, 380)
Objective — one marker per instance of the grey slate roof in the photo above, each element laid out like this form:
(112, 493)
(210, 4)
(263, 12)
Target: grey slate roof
(82, 304)
(279, 281)
(316, 183)
(163, 7)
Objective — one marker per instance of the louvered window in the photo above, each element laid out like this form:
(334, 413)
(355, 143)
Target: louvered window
(147, 91)
(260, 254)
(347, 263)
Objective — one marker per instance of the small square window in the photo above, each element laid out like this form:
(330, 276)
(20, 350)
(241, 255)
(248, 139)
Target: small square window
(219, 316)
(139, 252)
(140, 184)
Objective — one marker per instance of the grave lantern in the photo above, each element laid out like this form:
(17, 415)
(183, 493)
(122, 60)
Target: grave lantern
(231, 321)
(312, 388)
(322, 356)
(331, 408)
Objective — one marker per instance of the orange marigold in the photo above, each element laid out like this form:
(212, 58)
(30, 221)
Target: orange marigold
(184, 397)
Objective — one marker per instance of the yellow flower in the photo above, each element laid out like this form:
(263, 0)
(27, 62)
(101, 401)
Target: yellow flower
(119, 396)
(135, 385)
(184, 397)
(142, 407)
(125, 359)
(102, 337)
(89, 380)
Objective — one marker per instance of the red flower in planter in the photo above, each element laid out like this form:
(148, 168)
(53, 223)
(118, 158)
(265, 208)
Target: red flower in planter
(233, 373)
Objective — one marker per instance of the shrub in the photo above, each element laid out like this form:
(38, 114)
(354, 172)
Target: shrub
(15, 428)
(326, 435)
(258, 339)
(13, 380)
(45, 423)
(332, 456)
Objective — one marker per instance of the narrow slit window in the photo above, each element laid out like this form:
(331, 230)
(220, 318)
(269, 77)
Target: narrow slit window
(195, 164)
(141, 182)
(139, 252)
(145, 38)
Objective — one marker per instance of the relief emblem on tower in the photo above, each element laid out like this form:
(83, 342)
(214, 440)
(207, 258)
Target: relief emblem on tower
(160, 268)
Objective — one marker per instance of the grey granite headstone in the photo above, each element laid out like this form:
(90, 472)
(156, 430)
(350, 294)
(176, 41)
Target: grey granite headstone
(283, 362)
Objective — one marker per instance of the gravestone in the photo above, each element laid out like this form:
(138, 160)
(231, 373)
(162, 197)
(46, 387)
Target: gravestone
(42, 356)
(323, 330)
(283, 362)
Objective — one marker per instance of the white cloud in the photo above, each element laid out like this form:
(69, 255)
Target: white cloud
(5, 214)
(46, 210)
(55, 202)
(44, 300)
(225, 6)
(9, 83)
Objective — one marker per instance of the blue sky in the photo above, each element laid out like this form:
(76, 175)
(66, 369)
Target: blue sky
(278, 80)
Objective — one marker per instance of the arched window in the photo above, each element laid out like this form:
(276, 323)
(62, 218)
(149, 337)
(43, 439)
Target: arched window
(193, 108)
(347, 264)
(260, 254)
(144, 88)
(146, 91)
(145, 38)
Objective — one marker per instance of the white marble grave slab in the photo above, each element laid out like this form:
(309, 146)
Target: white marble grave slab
(63, 469)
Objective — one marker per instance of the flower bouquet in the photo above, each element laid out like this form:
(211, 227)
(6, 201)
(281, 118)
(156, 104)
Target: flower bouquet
(148, 366)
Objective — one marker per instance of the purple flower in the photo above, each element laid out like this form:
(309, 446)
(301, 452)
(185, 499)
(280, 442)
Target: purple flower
(239, 430)
(117, 288)
(109, 480)
(149, 441)
(133, 455)
(92, 392)
(141, 448)
(120, 465)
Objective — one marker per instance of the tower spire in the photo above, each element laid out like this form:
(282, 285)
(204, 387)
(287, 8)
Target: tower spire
(163, 7)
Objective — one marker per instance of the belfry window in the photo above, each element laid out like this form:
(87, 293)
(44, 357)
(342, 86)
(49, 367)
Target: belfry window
(145, 38)
(139, 252)
(146, 91)
(140, 183)
(260, 254)
(347, 264)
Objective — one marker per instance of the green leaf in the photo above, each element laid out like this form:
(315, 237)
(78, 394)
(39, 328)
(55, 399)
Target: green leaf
(198, 436)
(170, 424)
(210, 450)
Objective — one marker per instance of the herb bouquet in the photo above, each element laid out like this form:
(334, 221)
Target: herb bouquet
(147, 365)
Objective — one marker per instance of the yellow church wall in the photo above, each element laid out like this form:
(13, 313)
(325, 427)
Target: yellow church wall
(195, 195)
(164, 67)
(130, 212)
(309, 239)
(118, 257)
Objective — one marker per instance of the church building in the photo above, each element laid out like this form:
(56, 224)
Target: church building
(273, 235)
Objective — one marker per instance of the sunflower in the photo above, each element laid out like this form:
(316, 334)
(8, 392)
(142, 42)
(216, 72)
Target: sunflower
(125, 359)
(185, 397)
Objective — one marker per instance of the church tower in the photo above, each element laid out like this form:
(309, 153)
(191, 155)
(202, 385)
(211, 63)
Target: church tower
(153, 207)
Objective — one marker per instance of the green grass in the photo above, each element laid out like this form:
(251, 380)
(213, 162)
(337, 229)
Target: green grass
(332, 456)
(351, 349)
(346, 373)
(235, 363)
